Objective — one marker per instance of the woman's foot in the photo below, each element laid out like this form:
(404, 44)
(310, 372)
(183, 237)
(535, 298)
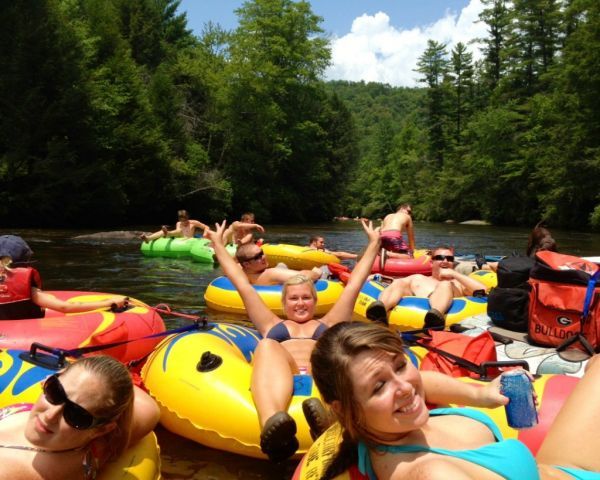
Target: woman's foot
(377, 312)
(317, 416)
(278, 437)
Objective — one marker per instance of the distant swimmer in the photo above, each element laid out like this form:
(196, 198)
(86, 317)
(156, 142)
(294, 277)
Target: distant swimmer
(318, 243)
(184, 228)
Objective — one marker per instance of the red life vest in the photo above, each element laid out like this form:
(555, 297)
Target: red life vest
(15, 294)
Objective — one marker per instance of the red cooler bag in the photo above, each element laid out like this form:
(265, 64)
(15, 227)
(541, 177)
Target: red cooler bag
(564, 303)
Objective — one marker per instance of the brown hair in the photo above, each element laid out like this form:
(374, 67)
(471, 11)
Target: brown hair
(118, 404)
(540, 239)
(330, 360)
(247, 217)
(182, 215)
(243, 252)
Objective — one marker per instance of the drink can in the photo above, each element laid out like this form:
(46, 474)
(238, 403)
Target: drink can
(520, 410)
(377, 277)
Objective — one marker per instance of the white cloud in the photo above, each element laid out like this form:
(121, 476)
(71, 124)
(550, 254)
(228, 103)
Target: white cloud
(376, 51)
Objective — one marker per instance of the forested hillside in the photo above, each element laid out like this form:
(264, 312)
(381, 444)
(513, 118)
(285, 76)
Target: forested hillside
(113, 113)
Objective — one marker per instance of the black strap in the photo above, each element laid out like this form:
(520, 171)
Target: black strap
(480, 369)
(59, 354)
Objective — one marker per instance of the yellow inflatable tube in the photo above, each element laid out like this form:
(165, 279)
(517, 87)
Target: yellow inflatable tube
(201, 380)
(410, 312)
(21, 382)
(551, 391)
(297, 257)
(221, 295)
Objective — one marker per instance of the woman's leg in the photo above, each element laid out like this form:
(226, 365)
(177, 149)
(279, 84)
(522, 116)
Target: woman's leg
(272, 379)
(574, 438)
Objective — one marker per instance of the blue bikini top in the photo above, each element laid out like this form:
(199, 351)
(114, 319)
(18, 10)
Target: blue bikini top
(510, 459)
(280, 333)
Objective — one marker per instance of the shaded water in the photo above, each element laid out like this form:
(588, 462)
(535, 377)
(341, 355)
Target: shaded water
(117, 266)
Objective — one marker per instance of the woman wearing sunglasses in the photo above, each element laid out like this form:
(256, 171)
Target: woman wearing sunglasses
(87, 415)
(441, 288)
(287, 343)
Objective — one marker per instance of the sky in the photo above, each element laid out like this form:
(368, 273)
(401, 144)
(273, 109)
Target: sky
(371, 40)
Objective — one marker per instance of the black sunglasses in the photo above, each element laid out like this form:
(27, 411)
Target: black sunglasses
(75, 415)
(255, 257)
(441, 258)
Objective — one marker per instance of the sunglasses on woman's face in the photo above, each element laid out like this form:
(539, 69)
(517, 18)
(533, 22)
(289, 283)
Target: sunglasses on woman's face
(75, 415)
(441, 258)
(258, 256)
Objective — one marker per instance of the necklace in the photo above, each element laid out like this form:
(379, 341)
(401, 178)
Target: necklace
(42, 450)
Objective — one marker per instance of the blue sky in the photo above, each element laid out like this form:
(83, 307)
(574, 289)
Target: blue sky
(371, 40)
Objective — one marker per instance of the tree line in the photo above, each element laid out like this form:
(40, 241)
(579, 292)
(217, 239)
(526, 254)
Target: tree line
(114, 113)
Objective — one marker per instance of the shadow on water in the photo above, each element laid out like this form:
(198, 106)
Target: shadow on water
(116, 265)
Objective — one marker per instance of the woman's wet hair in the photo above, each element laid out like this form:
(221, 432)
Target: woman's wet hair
(118, 399)
(298, 280)
(331, 358)
(540, 239)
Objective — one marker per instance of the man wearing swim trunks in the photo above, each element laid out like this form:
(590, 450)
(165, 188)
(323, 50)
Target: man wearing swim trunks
(441, 288)
(391, 231)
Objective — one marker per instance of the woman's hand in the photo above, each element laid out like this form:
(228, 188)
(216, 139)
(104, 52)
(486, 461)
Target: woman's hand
(489, 396)
(216, 235)
(372, 233)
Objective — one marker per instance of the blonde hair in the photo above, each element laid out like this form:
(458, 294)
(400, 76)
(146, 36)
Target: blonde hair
(5, 261)
(298, 280)
(118, 399)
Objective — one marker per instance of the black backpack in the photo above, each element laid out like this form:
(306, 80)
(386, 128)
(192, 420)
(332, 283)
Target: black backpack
(513, 272)
(508, 303)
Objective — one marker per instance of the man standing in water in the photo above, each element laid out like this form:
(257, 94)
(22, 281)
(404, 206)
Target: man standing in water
(391, 232)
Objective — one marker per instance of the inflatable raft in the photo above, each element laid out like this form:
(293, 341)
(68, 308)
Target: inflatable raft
(21, 382)
(98, 327)
(221, 295)
(201, 381)
(410, 312)
(402, 267)
(551, 390)
(172, 247)
(297, 257)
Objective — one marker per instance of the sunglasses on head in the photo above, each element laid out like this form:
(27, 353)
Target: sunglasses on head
(441, 258)
(75, 415)
(255, 257)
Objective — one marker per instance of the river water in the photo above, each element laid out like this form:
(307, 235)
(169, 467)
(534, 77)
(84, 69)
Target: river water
(117, 266)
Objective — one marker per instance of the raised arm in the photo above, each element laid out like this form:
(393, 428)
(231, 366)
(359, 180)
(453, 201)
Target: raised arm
(342, 310)
(258, 313)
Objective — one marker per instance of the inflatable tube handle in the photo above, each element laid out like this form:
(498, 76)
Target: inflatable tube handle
(55, 360)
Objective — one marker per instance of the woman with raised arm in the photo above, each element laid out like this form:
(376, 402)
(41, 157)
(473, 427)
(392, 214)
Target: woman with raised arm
(287, 343)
